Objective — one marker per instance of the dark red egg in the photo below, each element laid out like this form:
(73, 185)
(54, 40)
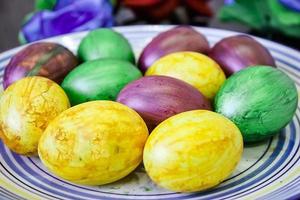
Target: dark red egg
(46, 59)
(238, 52)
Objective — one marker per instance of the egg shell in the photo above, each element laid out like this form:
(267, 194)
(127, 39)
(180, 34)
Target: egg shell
(99, 80)
(94, 143)
(26, 108)
(194, 68)
(105, 43)
(46, 59)
(192, 151)
(157, 98)
(179, 38)
(237, 52)
(260, 100)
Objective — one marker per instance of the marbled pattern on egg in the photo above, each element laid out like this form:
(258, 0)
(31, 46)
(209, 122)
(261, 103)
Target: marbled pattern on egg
(94, 143)
(46, 59)
(194, 68)
(260, 100)
(100, 79)
(192, 151)
(26, 108)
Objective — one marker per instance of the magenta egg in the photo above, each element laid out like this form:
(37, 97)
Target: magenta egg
(157, 98)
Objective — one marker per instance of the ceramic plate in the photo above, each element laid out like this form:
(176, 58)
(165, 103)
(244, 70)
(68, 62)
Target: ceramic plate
(268, 170)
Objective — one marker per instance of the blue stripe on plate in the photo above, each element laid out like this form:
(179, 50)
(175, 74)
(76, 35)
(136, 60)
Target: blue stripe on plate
(292, 184)
(46, 172)
(10, 195)
(26, 177)
(267, 163)
(17, 179)
(287, 188)
(290, 147)
(259, 159)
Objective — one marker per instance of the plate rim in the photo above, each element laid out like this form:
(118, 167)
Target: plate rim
(143, 28)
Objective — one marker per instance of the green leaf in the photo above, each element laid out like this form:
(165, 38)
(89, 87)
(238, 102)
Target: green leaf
(21, 38)
(44, 4)
(263, 15)
(283, 16)
(247, 12)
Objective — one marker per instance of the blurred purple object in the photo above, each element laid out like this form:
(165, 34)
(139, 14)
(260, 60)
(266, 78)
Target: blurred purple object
(68, 16)
(62, 3)
(229, 2)
(291, 4)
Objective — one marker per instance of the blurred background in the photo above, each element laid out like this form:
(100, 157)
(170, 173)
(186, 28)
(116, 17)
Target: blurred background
(277, 20)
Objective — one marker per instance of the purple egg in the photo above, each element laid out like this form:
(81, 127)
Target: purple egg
(157, 98)
(238, 52)
(180, 38)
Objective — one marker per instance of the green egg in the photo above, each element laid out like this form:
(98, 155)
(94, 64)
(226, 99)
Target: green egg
(260, 100)
(105, 43)
(99, 80)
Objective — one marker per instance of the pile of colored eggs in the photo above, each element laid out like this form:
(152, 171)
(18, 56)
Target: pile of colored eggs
(98, 140)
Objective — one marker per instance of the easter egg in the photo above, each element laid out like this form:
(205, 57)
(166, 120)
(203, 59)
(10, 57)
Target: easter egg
(157, 98)
(26, 108)
(260, 100)
(99, 80)
(238, 52)
(94, 143)
(179, 38)
(194, 68)
(192, 151)
(46, 59)
(105, 43)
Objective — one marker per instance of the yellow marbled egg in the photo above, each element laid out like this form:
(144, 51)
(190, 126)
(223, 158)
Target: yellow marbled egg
(192, 151)
(194, 68)
(94, 143)
(26, 108)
